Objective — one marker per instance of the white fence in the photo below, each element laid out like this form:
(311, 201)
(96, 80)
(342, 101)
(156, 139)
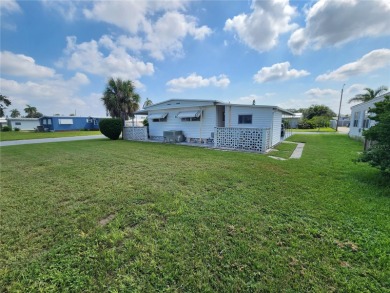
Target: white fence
(135, 133)
(250, 139)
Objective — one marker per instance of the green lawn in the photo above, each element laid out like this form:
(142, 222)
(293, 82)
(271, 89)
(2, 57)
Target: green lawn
(283, 150)
(323, 129)
(119, 216)
(18, 135)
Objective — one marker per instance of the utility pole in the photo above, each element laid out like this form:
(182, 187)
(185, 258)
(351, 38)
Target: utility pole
(341, 99)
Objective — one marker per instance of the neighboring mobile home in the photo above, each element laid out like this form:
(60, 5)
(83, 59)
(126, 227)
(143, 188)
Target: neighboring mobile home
(198, 120)
(68, 123)
(293, 120)
(23, 123)
(359, 117)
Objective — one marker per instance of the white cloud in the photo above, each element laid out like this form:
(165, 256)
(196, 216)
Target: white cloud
(22, 65)
(260, 30)
(67, 9)
(319, 93)
(373, 60)
(278, 71)
(53, 95)
(196, 81)
(158, 27)
(9, 6)
(88, 57)
(330, 23)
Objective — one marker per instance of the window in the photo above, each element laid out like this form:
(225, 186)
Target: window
(49, 121)
(160, 119)
(366, 121)
(189, 116)
(190, 119)
(95, 122)
(356, 119)
(18, 123)
(244, 119)
(64, 121)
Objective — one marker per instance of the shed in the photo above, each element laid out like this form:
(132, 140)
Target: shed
(23, 123)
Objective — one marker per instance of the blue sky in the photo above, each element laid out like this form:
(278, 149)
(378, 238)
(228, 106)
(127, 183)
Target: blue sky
(58, 55)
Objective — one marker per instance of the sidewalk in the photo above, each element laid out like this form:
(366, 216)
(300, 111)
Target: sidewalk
(48, 140)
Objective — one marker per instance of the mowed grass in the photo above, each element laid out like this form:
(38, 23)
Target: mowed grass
(283, 150)
(19, 135)
(119, 216)
(322, 129)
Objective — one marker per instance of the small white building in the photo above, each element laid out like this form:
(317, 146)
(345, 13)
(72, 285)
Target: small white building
(359, 117)
(293, 120)
(23, 123)
(209, 121)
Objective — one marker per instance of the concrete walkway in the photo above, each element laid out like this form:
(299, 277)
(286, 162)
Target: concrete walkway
(47, 140)
(297, 153)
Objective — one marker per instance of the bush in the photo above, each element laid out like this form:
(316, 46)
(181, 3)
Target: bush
(306, 124)
(17, 129)
(6, 128)
(111, 127)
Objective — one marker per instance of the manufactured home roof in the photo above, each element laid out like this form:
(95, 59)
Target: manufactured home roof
(375, 100)
(208, 103)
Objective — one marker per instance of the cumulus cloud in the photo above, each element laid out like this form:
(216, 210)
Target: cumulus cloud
(260, 30)
(373, 60)
(88, 57)
(196, 81)
(160, 36)
(22, 65)
(67, 9)
(330, 23)
(278, 71)
(317, 92)
(49, 95)
(9, 6)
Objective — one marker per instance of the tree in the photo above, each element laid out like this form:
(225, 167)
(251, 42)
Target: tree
(318, 110)
(369, 95)
(4, 103)
(379, 154)
(147, 103)
(15, 113)
(32, 112)
(120, 99)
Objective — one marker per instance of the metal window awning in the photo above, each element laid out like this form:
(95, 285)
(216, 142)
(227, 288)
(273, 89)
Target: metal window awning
(157, 115)
(189, 114)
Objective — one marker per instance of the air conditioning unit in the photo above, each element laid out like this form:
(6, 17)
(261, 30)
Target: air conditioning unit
(173, 136)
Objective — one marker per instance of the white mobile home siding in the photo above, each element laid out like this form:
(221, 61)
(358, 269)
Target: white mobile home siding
(276, 127)
(191, 129)
(23, 123)
(358, 111)
(261, 117)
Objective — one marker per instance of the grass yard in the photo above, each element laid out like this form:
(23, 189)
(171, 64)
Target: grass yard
(283, 150)
(19, 135)
(119, 216)
(323, 129)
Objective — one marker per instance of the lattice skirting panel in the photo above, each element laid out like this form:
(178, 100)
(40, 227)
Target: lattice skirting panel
(250, 139)
(135, 133)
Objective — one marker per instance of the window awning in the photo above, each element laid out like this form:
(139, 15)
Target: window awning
(157, 115)
(189, 114)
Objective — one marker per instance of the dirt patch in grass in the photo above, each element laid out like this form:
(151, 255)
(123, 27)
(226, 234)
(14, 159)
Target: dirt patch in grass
(103, 222)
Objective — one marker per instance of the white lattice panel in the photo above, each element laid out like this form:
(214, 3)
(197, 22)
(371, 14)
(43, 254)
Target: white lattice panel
(135, 133)
(251, 139)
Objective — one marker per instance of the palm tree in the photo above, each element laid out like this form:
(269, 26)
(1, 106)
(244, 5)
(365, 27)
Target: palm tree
(15, 113)
(369, 95)
(147, 103)
(4, 103)
(30, 111)
(120, 99)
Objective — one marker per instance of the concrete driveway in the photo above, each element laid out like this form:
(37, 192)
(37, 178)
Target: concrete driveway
(48, 140)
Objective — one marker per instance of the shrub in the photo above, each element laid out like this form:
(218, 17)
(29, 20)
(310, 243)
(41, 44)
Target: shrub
(17, 129)
(6, 128)
(306, 124)
(111, 127)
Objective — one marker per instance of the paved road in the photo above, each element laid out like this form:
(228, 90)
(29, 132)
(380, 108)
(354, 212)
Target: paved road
(47, 140)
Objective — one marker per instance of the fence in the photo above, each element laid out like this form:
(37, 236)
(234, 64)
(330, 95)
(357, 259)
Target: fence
(250, 139)
(135, 133)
